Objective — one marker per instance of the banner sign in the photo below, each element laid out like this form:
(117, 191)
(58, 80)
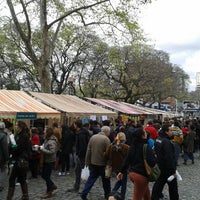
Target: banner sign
(26, 115)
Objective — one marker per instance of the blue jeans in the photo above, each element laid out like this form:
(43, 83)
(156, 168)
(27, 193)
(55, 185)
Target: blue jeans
(95, 172)
(121, 183)
(46, 174)
(188, 156)
(177, 152)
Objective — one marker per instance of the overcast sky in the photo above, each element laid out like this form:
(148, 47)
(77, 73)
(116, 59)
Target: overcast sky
(174, 27)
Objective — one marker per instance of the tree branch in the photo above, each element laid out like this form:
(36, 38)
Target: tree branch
(75, 11)
(55, 37)
(22, 35)
(27, 20)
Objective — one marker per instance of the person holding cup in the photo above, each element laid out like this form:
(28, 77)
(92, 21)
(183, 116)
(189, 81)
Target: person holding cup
(49, 149)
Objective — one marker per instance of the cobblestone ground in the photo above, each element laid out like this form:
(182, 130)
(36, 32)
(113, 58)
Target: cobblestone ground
(188, 187)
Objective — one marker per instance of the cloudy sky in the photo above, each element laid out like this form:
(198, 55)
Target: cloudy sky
(173, 26)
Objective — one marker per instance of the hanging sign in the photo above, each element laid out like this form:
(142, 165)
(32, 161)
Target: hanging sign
(26, 115)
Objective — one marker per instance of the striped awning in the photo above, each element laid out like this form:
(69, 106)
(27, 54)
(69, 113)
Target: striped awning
(73, 106)
(145, 110)
(13, 102)
(129, 109)
(118, 106)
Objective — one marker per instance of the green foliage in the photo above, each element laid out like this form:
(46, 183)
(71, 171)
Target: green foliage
(98, 43)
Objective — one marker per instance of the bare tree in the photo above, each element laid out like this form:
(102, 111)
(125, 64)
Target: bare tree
(129, 74)
(48, 16)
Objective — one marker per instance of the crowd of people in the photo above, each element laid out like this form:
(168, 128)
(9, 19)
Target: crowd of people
(112, 145)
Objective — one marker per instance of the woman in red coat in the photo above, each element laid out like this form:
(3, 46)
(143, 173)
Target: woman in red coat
(35, 155)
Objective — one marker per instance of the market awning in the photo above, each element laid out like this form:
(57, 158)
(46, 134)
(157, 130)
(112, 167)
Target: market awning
(118, 106)
(72, 105)
(148, 111)
(19, 103)
(153, 111)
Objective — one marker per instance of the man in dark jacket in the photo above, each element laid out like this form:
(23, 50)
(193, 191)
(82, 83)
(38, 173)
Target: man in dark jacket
(82, 137)
(67, 142)
(130, 132)
(165, 152)
(4, 155)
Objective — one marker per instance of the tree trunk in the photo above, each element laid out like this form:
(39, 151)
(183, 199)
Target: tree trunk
(45, 79)
(44, 69)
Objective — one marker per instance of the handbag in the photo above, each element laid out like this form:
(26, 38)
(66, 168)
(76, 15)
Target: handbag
(153, 173)
(108, 171)
(22, 164)
(108, 168)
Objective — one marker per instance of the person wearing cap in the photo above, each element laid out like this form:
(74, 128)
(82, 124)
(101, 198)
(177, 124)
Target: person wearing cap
(4, 155)
(115, 154)
(152, 130)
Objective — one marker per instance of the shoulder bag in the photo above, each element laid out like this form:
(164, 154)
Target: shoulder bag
(153, 173)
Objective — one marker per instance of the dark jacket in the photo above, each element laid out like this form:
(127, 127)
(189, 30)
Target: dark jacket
(67, 141)
(23, 148)
(188, 144)
(96, 129)
(165, 152)
(130, 134)
(82, 137)
(135, 159)
(4, 155)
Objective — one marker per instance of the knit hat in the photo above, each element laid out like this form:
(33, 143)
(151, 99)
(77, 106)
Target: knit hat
(121, 136)
(2, 125)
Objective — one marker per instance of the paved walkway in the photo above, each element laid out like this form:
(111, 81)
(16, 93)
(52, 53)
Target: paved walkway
(188, 187)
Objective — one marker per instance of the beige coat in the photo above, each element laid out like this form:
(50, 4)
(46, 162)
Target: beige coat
(96, 149)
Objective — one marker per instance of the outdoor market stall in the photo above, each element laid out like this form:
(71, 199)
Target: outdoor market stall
(73, 107)
(127, 110)
(124, 110)
(18, 105)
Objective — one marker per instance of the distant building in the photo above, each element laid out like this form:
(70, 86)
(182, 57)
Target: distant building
(170, 103)
(198, 80)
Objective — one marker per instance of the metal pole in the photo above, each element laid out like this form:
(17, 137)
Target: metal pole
(176, 108)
